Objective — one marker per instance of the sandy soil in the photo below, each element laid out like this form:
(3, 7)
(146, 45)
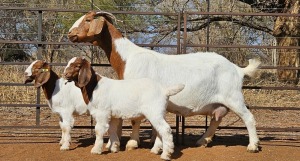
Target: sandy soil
(37, 144)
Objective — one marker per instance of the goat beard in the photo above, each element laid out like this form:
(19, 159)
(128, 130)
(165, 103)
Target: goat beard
(71, 79)
(68, 80)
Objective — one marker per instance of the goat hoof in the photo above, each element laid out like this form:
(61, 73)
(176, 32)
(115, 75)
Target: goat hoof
(201, 145)
(252, 150)
(253, 147)
(155, 150)
(165, 156)
(95, 151)
(132, 145)
(62, 148)
(114, 150)
(130, 148)
(203, 142)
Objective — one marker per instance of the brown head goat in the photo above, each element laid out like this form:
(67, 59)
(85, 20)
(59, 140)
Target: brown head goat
(134, 99)
(64, 99)
(213, 85)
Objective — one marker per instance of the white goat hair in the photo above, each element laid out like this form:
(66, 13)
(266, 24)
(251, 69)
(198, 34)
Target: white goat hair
(211, 82)
(213, 85)
(127, 99)
(64, 99)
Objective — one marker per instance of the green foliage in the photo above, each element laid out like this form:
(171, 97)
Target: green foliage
(14, 55)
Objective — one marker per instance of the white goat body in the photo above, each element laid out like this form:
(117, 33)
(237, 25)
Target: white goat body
(64, 99)
(127, 99)
(208, 77)
(212, 83)
(132, 99)
(67, 98)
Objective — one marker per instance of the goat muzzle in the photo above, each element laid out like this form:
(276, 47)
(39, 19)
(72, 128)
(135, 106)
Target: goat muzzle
(68, 76)
(28, 79)
(73, 38)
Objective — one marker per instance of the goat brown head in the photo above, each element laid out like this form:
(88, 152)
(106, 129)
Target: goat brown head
(89, 26)
(39, 71)
(79, 71)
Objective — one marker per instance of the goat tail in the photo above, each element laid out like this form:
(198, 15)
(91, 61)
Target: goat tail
(170, 91)
(252, 67)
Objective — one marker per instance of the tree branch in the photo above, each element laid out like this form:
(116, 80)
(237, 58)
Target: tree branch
(233, 20)
(269, 6)
(204, 25)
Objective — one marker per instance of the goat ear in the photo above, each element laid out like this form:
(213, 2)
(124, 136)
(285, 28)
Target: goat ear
(96, 26)
(43, 76)
(85, 74)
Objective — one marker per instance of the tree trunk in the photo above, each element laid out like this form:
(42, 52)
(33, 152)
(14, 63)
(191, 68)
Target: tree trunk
(287, 33)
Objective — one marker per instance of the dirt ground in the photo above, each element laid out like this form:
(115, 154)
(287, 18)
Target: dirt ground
(37, 144)
(23, 144)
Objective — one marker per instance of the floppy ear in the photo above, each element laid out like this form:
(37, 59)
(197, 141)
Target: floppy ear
(43, 75)
(96, 26)
(85, 74)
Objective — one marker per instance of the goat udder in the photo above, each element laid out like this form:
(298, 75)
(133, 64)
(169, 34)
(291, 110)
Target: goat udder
(220, 112)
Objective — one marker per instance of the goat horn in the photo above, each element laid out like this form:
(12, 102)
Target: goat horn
(110, 15)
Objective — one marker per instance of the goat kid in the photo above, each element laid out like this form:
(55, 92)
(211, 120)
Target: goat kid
(213, 85)
(64, 99)
(108, 100)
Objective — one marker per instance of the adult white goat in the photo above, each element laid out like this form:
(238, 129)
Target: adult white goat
(135, 99)
(62, 99)
(212, 83)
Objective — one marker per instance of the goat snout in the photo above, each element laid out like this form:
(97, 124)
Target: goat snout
(28, 79)
(72, 37)
(68, 76)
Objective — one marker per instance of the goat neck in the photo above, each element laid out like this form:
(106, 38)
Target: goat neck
(87, 90)
(106, 40)
(49, 86)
